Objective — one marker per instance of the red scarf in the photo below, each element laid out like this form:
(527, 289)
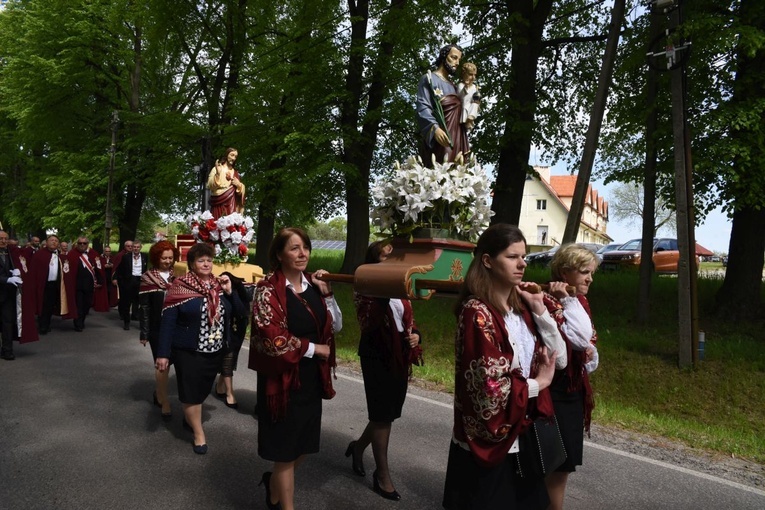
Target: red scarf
(152, 281)
(190, 286)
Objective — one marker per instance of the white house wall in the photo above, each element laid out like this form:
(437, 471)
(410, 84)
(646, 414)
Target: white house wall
(554, 217)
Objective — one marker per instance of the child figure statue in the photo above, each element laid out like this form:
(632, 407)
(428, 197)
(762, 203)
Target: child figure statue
(471, 97)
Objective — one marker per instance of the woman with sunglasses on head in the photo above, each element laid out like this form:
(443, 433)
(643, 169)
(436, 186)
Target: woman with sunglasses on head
(196, 325)
(292, 347)
(507, 348)
(572, 267)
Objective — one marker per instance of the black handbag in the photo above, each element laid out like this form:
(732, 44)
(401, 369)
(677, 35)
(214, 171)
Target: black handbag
(541, 449)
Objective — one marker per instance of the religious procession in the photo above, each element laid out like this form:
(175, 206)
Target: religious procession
(427, 174)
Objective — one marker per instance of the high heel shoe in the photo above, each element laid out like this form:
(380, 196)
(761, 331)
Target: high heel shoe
(356, 464)
(266, 480)
(392, 495)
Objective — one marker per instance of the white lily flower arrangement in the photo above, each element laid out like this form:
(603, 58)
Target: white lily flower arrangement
(229, 235)
(453, 196)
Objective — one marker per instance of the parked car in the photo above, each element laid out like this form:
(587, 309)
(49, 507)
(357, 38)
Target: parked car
(607, 248)
(543, 258)
(627, 256)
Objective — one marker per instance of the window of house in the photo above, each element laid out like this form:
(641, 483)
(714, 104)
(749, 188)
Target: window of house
(541, 205)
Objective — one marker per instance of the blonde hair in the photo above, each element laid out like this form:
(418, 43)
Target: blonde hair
(571, 256)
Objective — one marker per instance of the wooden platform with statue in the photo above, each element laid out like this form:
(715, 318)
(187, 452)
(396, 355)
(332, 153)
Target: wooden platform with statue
(223, 226)
(429, 216)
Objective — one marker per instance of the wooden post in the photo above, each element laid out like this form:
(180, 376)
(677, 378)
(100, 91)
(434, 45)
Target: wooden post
(110, 187)
(686, 268)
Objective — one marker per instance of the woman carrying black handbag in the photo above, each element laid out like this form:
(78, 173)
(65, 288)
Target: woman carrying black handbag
(507, 349)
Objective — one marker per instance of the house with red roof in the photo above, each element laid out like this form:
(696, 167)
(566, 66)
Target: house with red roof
(546, 204)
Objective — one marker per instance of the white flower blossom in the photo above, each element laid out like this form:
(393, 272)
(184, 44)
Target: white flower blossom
(453, 195)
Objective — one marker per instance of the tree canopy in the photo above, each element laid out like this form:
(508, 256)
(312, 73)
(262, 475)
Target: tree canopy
(318, 98)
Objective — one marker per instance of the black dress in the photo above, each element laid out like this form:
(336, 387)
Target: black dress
(299, 432)
(385, 385)
(569, 410)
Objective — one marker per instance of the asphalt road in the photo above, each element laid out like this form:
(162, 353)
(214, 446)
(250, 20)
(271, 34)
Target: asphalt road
(78, 431)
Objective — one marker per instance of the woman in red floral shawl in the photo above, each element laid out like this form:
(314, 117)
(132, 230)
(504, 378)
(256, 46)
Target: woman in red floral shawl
(571, 392)
(506, 351)
(292, 347)
(151, 296)
(389, 344)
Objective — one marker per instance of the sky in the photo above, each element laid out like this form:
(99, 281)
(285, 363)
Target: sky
(713, 234)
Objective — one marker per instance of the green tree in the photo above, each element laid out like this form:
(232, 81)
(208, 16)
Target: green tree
(380, 81)
(69, 65)
(739, 297)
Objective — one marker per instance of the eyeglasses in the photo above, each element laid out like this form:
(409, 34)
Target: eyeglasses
(85, 243)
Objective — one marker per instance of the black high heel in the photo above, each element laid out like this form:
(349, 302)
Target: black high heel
(266, 480)
(392, 495)
(356, 464)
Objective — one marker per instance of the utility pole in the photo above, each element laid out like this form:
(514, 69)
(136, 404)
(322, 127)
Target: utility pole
(110, 187)
(574, 219)
(676, 53)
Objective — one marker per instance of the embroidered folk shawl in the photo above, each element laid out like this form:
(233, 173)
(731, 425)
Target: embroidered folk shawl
(491, 398)
(152, 281)
(190, 286)
(577, 375)
(275, 352)
(379, 327)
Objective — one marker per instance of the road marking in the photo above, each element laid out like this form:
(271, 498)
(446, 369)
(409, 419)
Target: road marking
(408, 394)
(677, 468)
(601, 447)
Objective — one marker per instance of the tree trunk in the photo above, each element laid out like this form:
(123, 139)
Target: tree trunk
(513, 164)
(649, 186)
(596, 121)
(265, 233)
(358, 149)
(267, 213)
(135, 195)
(739, 297)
